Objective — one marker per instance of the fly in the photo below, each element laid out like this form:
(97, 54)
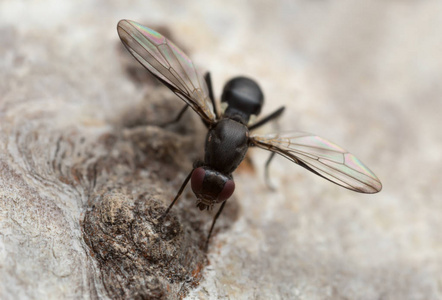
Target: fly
(228, 137)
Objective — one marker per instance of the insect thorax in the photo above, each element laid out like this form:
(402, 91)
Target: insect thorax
(226, 146)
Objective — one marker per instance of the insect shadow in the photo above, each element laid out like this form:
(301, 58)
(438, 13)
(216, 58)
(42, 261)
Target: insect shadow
(228, 137)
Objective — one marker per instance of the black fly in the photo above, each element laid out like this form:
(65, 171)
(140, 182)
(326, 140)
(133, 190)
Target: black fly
(229, 136)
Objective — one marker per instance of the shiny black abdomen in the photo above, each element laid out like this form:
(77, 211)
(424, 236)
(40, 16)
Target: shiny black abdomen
(243, 97)
(226, 146)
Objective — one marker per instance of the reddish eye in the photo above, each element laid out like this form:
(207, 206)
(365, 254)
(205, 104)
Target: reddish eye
(197, 179)
(208, 185)
(227, 191)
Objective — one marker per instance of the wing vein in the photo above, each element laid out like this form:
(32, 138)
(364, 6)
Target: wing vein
(164, 60)
(327, 160)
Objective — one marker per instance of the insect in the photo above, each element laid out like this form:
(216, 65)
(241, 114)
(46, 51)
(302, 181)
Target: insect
(228, 137)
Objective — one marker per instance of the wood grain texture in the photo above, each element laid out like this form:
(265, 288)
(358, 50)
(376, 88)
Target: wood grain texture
(81, 162)
(81, 196)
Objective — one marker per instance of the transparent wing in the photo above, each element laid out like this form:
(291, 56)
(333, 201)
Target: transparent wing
(322, 158)
(169, 64)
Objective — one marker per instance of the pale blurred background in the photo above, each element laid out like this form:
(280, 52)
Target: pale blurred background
(364, 74)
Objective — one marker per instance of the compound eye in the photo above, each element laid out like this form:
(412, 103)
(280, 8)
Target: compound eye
(227, 191)
(197, 179)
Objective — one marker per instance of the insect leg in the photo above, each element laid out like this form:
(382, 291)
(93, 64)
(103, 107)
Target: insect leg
(177, 195)
(176, 119)
(266, 170)
(270, 117)
(212, 98)
(213, 223)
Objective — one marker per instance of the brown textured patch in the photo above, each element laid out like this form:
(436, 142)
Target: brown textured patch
(137, 174)
(246, 165)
